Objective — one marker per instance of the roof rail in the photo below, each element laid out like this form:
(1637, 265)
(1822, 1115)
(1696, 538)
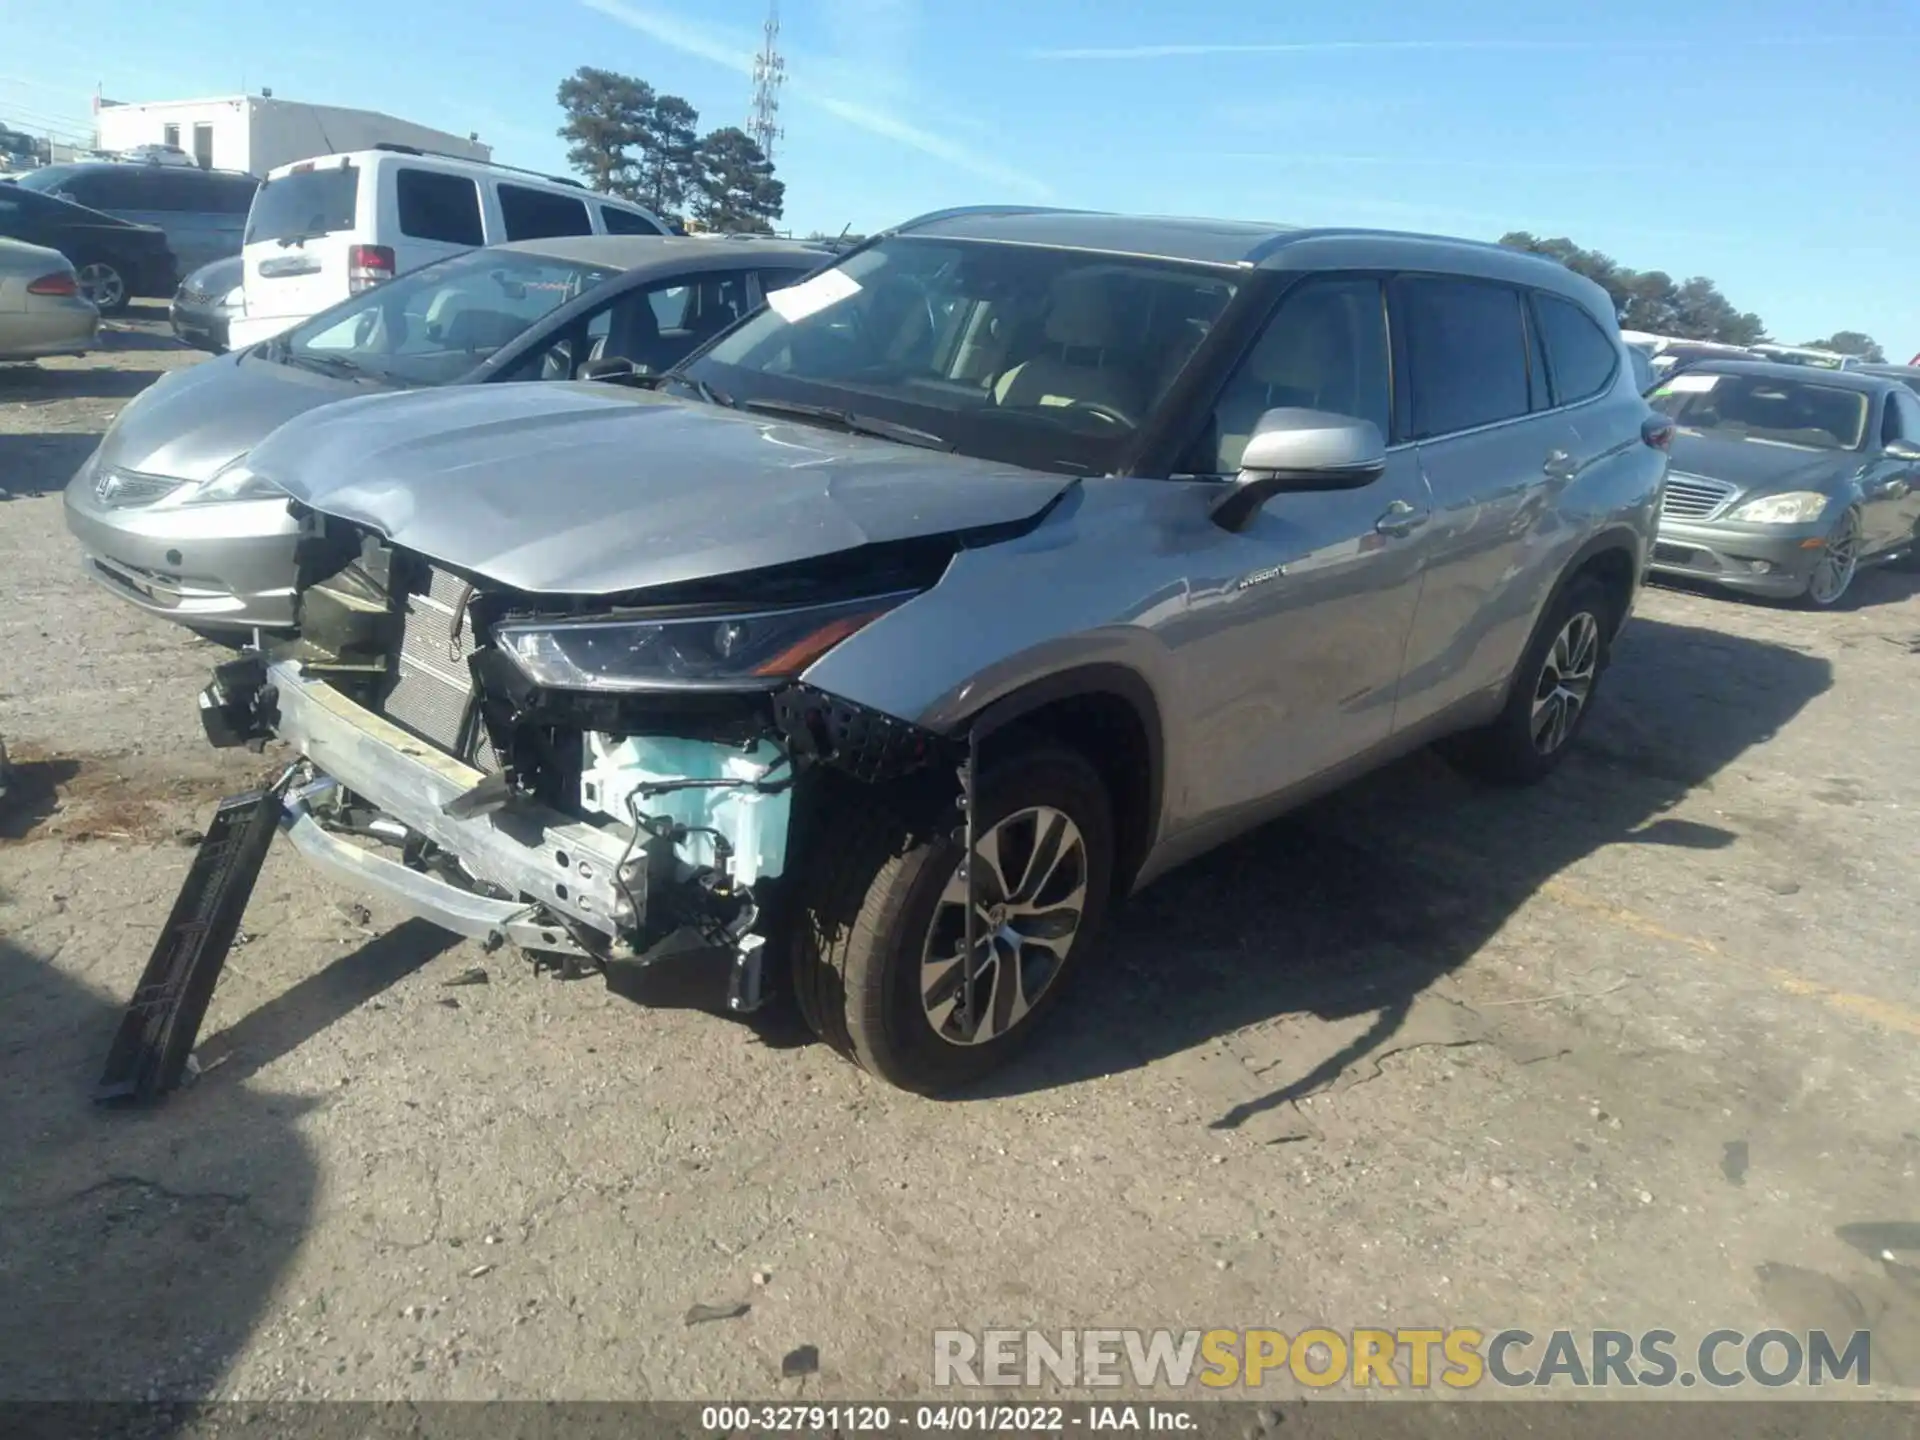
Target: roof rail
(959, 210)
(394, 147)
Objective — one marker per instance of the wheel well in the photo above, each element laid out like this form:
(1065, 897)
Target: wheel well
(1613, 568)
(1108, 729)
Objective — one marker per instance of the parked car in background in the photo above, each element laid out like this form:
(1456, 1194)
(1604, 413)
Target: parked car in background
(114, 259)
(42, 311)
(1907, 375)
(168, 515)
(203, 213)
(1786, 480)
(157, 155)
(322, 230)
(206, 304)
(1805, 355)
(1115, 529)
(1672, 354)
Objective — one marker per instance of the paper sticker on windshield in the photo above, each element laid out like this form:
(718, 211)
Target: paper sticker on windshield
(829, 287)
(1689, 384)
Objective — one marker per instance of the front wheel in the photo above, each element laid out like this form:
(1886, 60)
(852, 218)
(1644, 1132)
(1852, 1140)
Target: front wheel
(105, 286)
(880, 969)
(1839, 562)
(1552, 690)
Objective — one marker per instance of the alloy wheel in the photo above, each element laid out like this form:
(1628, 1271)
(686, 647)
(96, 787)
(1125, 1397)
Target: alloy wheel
(1833, 573)
(1566, 682)
(1029, 896)
(102, 285)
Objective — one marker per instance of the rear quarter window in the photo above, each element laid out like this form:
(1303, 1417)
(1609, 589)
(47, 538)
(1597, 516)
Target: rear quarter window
(305, 203)
(626, 222)
(434, 205)
(1580, 357)
(530, 214)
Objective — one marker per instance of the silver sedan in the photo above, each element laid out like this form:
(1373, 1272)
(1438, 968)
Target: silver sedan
(169, 517)
(42, 311)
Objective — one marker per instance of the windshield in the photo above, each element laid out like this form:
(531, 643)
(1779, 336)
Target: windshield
(1045, 358)
(435, 324)
(304, 204)
(1764, 410)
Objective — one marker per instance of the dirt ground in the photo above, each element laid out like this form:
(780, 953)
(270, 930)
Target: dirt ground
(1633, 1049)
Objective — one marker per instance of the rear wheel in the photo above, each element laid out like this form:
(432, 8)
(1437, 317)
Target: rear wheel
(880, 969)
(1552, 690)
(105, 286)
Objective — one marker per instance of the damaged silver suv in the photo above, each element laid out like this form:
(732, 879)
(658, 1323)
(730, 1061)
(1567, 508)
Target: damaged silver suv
(885, 645)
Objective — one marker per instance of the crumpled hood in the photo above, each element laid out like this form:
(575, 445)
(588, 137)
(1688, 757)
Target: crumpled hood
(595, 489)
(189, 423)
(1760, 468)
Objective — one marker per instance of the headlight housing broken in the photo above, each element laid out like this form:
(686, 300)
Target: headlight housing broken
(709, 651)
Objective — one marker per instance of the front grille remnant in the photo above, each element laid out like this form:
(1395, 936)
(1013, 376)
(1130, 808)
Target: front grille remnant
(432, 686)
(1693, 497)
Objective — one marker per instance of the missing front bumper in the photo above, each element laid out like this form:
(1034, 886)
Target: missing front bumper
(539, 857)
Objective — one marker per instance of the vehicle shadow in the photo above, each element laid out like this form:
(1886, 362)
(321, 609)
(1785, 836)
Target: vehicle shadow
(41, 464)
(142, 1249)
(1351, 909)
(1875, 585)
(295, 1016)
(117, 337)
(79, 382)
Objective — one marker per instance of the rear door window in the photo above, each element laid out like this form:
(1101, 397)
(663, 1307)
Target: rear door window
(434, 205)
(626, 222)
(1466, 353)
(304, 204)
(536, 214)
(1580, 357)
(112, 188)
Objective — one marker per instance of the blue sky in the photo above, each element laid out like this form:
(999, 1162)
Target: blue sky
(1765, 143)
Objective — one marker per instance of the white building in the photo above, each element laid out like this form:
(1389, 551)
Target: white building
(255, 133)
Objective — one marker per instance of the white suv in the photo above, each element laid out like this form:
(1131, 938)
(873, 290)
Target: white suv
(321, 230)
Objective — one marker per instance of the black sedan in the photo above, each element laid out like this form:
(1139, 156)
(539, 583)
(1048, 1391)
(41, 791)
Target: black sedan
(206, 300)
(1785, 480)
(115, 259)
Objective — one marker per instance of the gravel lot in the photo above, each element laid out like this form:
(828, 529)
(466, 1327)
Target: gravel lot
(1633, 1049)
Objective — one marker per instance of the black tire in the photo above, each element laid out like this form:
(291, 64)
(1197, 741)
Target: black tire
(1504, 752)
(871, 902)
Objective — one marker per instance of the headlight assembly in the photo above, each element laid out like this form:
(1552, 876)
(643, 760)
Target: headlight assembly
(234, 481)
(1796, 507)
(686, 652)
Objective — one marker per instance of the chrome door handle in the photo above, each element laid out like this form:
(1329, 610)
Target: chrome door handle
(1400, 519)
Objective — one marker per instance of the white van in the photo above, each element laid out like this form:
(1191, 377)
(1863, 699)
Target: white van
(321, 230)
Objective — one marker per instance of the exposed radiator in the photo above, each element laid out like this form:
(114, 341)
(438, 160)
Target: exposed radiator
(432, 686)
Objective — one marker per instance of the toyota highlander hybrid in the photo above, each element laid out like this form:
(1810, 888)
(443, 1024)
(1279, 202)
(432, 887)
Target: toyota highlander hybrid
(883, 646)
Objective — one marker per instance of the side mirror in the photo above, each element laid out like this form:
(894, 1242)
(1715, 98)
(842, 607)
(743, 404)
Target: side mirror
(1301, 450)
(1906, 450)
(610, 367)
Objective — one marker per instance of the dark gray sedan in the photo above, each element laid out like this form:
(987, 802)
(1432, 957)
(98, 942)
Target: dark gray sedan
(170, 518)
(1785, 480)
(206, 301)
